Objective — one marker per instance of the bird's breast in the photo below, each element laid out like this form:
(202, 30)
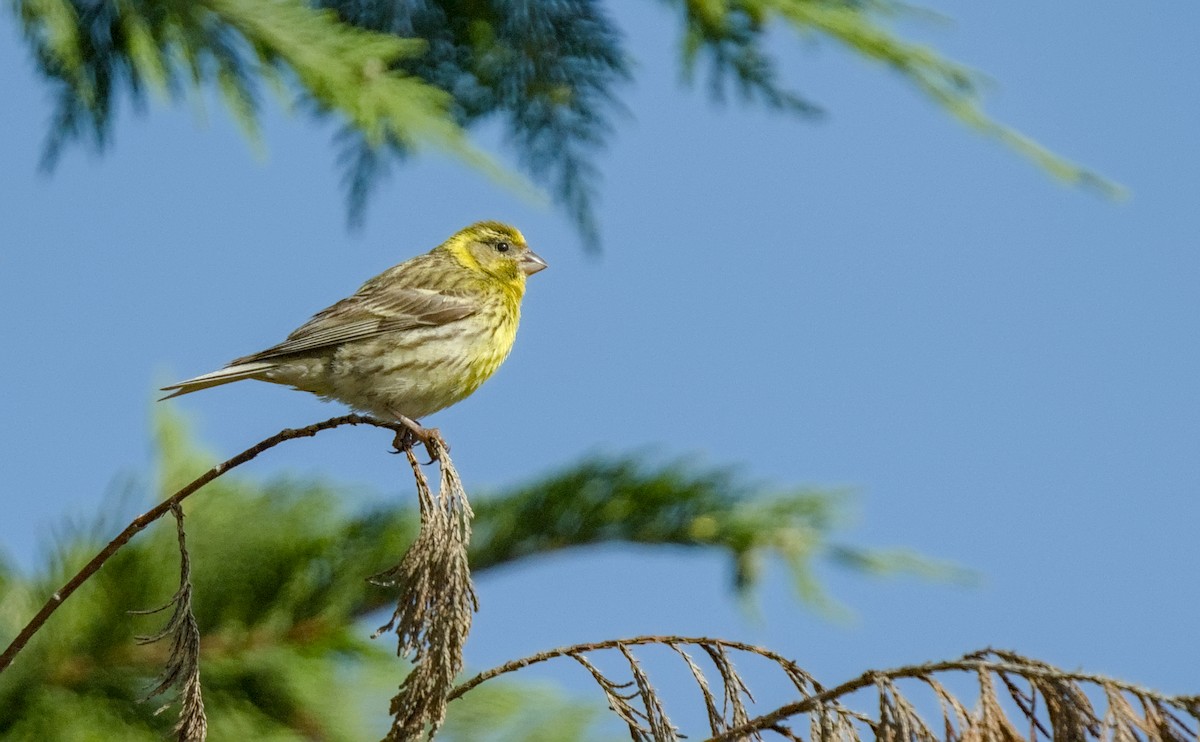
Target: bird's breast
(420, 371)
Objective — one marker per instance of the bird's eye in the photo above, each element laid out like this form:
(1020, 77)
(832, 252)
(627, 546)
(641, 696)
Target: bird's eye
(502, 246)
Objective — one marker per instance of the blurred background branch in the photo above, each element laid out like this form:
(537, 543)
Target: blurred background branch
(403, 75)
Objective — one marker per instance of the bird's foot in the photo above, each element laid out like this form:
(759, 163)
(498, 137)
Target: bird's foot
(415, 433)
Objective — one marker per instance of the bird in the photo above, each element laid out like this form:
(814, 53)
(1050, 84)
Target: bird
(413, 340)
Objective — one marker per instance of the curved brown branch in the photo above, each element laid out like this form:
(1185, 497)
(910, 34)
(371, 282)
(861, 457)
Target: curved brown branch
(165, 507)
(467, 685)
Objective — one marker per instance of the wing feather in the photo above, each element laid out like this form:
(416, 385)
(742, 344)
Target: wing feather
(376, 309)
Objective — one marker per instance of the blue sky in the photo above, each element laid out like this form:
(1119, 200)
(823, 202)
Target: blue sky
(1004, 369)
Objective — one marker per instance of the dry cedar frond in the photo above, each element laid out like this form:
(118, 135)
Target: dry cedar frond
(1056, 706)
(990, 721)
(830, 725)
(437, 600)
(736, 691)
(660, 726)
(1122, 720)
(619, 698)
(642, 708)
(183, 663)
(898, 719)
(1164, 724)
(716, 717)
(955, 728)
(1027, 703)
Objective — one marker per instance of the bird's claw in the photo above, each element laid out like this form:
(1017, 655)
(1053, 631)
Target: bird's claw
(414, 433)
(404, 441)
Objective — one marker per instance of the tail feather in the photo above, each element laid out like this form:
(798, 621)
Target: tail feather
(217, 378)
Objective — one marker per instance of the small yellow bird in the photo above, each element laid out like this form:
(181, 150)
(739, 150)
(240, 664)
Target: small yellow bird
(413, 340)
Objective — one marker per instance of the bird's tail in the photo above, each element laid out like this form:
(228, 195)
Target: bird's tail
(236, 372)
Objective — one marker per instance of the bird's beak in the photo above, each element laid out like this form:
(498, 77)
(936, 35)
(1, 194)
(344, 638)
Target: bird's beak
(531, 263)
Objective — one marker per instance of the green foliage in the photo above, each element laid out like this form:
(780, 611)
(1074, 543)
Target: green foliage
(280, 595)
(952, 86)
(402, 74)
(95, 51)
(605, 500)
(623, 499)
(548, 69)
(730, 35)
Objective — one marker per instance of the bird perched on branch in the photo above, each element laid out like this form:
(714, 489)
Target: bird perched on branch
(413, 340)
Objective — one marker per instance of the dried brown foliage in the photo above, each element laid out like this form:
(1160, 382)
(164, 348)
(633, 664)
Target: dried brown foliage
(1009, 691)
(437, 599)
(182, 672)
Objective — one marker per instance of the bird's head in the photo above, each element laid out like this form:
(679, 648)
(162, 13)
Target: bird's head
(495, 249)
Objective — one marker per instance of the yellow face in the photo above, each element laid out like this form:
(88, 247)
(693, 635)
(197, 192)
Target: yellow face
(499, 250)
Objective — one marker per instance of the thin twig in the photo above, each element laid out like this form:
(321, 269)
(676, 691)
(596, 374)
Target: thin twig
(164, 507)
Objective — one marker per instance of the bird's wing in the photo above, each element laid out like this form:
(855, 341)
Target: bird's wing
(373, 311)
